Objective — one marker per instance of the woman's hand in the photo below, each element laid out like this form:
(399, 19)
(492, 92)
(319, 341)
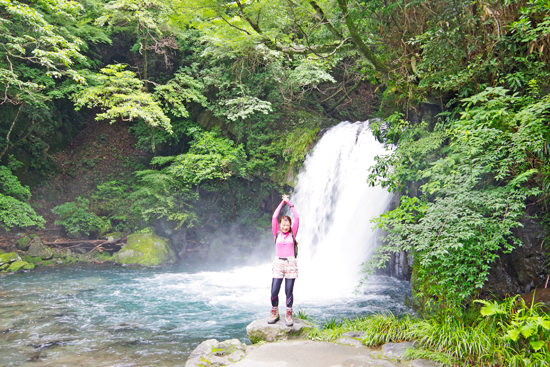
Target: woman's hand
(286, 198)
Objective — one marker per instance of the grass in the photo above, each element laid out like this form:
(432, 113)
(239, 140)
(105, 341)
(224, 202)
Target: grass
(509, 333)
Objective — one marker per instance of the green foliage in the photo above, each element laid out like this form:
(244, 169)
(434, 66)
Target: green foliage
(161, 195)
(507, 333)
(15, 210)
(210, 157)
(472, 197)
(76, 218)
(121, 95)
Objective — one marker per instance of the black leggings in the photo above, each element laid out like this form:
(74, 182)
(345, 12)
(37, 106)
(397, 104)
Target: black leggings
(276, 286)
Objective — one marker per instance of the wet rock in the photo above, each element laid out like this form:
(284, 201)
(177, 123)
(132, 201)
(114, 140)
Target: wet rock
(396, 350)
(521, 270)
(260, 330)
(146, 249)
(349, 341)
(366, 361)
(23, 243)
(176, 235)
(423, 363)
(8, 258)
(19, 265)
(213, 353)
(37, 248)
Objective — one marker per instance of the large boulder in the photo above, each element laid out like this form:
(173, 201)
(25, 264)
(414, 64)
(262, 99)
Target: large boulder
(146, 249)
(37, 249)
(213, 353)
(260, 330)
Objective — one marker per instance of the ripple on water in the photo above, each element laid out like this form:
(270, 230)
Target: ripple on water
(114, 316)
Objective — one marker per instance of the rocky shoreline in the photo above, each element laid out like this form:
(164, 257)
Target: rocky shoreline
(143, 249)
(280, 345)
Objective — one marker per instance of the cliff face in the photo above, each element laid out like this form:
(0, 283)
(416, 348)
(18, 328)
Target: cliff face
(523, 269)
(517, 272)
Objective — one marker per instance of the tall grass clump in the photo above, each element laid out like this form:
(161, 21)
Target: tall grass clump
(510, 333)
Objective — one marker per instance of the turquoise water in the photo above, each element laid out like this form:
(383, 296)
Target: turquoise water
(121, 316)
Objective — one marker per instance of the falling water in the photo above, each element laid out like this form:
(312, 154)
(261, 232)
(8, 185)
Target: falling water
(336, 205)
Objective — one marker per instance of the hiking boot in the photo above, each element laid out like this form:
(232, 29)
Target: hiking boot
(274, 316)
(288, 317)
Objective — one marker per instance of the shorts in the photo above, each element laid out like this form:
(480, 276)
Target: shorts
(285, 268)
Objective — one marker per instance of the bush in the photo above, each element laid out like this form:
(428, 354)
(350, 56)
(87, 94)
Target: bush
(76, 218)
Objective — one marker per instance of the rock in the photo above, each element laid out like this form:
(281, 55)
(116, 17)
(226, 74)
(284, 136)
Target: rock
(213, 353)
(8, 258)
(37, 248)
(19, 265)
(396, 350)
(541, 295)
(260, 330)
(146, 249)
(366, 361)
(114, 236)
(176, 235)
(423, 363)
(521, 270)
(353, 334)
(349, 341)
(23, 243)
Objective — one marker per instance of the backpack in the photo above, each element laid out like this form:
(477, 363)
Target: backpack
(293, 239)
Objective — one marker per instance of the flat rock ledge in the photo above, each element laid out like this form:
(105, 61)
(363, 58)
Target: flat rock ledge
(260, 330)
(214, 353)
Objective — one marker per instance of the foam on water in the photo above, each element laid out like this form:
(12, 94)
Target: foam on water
(116, 316)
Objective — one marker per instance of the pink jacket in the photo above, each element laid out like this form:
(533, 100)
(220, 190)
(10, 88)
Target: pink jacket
(284, 245)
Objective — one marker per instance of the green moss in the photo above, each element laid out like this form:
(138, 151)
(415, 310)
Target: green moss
(146, 249)
(23, 243)
(9, 258)
(17, 265)
(46, 262)
(28, 266)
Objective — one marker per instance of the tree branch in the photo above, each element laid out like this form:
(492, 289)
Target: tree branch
(320, 15)
(360, 44)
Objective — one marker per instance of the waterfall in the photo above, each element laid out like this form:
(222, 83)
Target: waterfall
(335, 205)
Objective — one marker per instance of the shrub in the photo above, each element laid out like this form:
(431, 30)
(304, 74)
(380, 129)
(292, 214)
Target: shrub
(76, 218)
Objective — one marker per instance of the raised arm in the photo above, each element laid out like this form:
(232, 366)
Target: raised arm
(296, 221)
(274, 219)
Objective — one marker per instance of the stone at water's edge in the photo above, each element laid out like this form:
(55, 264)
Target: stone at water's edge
(37, 248)
(213, 353)
(23, 243)
(9, 258)
(19, 265)
(146, 249)
(260, 330)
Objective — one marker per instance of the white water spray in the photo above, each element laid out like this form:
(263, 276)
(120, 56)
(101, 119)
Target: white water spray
(335, 205)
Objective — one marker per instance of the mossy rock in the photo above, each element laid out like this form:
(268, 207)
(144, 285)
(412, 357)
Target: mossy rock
(37, 248)
(19, 265)
(32, 260)
(114, 236)
(47, 262)
(8, 258)
(146, 249)
(23, 243)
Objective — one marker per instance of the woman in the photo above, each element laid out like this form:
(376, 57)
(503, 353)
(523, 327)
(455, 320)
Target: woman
(284, 265)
